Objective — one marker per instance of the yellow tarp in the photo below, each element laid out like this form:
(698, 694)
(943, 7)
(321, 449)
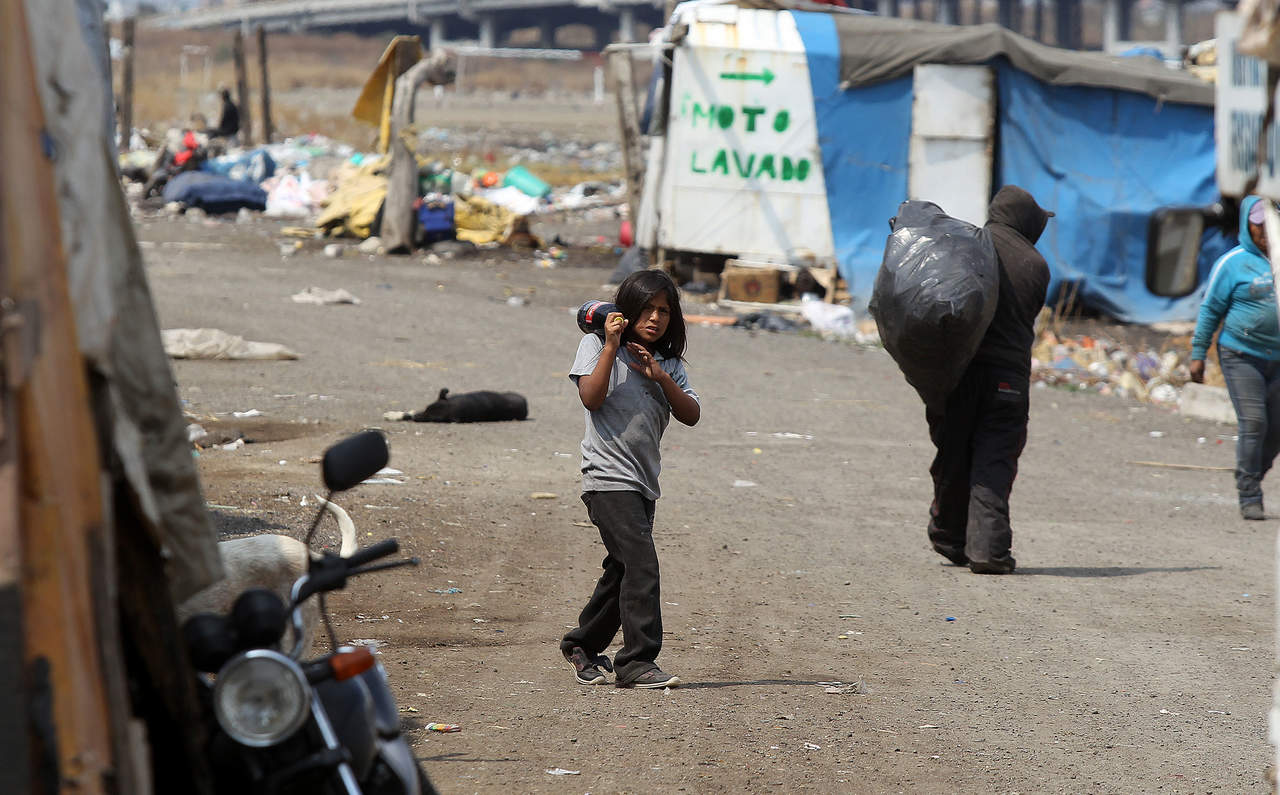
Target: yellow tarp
(374, 104)
(352, 208)
(480, 221)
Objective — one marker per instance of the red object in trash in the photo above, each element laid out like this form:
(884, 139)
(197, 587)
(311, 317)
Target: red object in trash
(490, 179)
(625, 238)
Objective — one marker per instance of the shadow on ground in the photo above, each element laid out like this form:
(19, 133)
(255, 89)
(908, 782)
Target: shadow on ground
(1108, 571)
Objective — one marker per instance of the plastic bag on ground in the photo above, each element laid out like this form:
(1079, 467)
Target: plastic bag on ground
(212, 343)
(934, 296)
(835, 320)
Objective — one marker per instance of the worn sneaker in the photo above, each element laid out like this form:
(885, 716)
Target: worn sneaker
(586, 669)
(1252, 510)
(652, 679)
(1004, 566)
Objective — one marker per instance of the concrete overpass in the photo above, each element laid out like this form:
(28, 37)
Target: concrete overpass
(488, 22)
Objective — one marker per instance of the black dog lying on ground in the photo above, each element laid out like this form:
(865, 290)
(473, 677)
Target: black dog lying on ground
(480, 406)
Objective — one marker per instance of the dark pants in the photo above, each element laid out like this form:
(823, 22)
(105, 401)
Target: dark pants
(627, 594)
(1254, 386)
(979, 435)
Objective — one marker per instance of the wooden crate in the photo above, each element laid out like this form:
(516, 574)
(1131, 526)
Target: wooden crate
(757, 284)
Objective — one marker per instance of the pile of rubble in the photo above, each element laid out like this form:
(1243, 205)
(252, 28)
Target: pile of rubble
(1108, 367)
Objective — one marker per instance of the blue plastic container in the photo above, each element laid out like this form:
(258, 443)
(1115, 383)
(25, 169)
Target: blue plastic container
(436, 220)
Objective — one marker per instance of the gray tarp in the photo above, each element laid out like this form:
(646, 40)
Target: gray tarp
(875, 49)
(115, 318)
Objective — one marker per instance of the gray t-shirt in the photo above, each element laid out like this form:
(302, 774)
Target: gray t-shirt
(620, 447)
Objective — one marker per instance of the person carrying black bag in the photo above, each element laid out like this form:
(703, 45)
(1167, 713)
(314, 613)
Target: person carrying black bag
(981, 428)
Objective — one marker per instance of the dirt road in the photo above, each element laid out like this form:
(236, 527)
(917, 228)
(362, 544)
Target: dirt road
(825, 647)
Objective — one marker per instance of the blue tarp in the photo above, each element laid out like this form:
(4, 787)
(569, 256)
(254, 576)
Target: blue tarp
(214, 194)
(1102, 159)
(863, 134)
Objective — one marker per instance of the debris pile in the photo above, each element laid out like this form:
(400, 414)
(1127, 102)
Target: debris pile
(339, 192)
(1108, 367)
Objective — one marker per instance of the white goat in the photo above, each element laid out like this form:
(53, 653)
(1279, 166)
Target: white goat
(267, 561)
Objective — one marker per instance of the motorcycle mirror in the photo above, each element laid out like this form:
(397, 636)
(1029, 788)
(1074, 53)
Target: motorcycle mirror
(354, 460)
(1173, 250)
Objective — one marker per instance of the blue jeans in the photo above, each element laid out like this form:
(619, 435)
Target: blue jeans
(1254, 386)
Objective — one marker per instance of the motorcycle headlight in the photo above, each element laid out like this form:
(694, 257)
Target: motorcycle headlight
(261, 697)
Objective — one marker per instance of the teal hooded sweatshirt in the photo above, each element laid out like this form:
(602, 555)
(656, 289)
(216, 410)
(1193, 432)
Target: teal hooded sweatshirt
(1241, 297)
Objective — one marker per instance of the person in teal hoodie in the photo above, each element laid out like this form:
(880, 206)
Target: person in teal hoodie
(1240, 296)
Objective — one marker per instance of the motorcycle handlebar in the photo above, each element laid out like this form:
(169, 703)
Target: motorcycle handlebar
(369, 554)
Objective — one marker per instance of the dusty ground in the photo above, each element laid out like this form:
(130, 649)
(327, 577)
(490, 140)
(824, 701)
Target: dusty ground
(824, 646)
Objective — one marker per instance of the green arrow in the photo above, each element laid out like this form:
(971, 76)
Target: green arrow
(765, 77)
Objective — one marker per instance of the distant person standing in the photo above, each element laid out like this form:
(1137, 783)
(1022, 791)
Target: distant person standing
(228, 119)
(980, 431)
(1240, 297)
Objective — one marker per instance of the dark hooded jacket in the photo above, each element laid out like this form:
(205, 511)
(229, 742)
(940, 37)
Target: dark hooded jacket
(229, 121)
(1014, 224)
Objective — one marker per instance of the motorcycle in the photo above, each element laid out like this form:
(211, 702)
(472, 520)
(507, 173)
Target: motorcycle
(283, 725)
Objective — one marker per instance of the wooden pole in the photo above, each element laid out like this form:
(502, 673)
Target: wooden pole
(59, 500)
(267, 130)
(629, 127)
(126, 89)
(242, 89)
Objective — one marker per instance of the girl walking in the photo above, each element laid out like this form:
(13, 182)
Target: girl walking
(631, 380)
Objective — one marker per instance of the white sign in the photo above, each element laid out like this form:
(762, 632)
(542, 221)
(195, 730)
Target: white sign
(1240, 104)
(743, 172)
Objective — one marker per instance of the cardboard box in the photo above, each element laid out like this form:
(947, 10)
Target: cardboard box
(759, 285)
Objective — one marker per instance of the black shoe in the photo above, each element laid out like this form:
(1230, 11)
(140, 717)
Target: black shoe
(1252, 510)
(652, 679)
(1003, 566)
(586, 669)
(956, 557)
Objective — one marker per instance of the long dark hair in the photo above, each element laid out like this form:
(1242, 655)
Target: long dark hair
(634, 294)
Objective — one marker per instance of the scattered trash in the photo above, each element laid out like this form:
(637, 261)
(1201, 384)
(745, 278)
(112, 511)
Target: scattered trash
(834, 320)
(843, 689)
(443, 727)
(385, 477)
(446, 590)
(813, 747)
(244, 414)
(1107, 367)
(765, 321)
(372, 643)
(212, 343)
(317, 295)
(743, 484)
(951, 618)
(1156, 434)
(543, 495)
(560, 771)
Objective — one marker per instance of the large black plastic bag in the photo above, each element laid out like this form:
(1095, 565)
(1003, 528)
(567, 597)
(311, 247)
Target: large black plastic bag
(934, 296)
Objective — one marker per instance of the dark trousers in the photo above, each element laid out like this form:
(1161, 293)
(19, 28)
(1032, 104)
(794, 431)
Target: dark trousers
(627, 594)
(979, 434)
(1254, 386)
